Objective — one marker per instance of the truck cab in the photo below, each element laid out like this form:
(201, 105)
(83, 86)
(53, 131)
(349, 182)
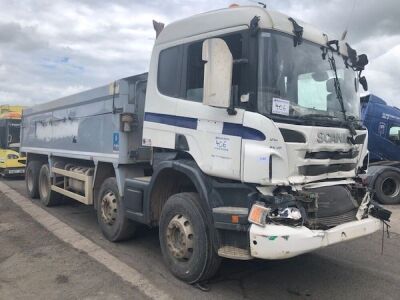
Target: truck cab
(250, 98)
(383, 124)
(281, 123)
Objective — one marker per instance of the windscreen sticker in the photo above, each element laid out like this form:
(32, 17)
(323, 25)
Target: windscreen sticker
(280, 106)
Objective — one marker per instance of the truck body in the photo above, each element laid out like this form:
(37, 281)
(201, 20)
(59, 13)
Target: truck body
(232, 144)
(11, 163)
(383, 124)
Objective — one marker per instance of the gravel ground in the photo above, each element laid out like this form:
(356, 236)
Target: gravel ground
(36, 265)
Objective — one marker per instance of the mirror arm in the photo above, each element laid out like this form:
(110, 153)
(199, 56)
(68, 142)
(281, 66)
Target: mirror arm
(231, 109)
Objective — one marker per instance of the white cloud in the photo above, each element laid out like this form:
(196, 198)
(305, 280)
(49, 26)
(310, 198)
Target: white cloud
(49, 49)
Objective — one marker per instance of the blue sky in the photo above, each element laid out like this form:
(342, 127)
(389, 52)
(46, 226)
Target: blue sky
(49, 49)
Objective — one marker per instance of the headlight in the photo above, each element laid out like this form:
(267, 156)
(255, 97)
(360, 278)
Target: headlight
(260, 215)
(288, 215)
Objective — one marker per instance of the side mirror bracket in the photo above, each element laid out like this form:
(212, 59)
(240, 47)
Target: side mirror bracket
(231, 109)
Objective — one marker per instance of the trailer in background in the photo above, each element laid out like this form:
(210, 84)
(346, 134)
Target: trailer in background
(383, 123)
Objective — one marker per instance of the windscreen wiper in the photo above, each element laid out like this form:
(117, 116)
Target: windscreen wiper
(339, 96)
(320, 116)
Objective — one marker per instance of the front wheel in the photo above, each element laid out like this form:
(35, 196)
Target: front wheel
(185, 240)
(110, 213)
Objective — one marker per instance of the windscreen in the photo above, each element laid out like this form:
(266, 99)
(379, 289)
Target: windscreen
(296, 82)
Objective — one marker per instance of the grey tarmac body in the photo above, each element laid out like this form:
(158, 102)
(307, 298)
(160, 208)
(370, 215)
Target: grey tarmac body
(353, 270)
(35, 264)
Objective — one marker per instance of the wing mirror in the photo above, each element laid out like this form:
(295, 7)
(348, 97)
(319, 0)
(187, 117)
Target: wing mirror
(362, 61)
(217, 73)
(364, 83)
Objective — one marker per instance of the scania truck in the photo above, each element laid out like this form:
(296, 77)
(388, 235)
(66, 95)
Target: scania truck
(242, 141)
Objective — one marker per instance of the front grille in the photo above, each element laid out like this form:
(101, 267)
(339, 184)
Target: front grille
(332, 155)
(333, 221)
(314, 170)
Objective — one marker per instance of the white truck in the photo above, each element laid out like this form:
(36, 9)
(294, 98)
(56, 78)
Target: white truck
(242, 141)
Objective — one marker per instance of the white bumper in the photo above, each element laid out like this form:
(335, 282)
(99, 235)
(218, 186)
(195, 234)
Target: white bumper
(279, 241)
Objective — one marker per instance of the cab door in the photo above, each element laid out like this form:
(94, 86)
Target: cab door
(216, 142)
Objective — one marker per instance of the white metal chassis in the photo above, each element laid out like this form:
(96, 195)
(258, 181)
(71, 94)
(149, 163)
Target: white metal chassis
(280, 242)
(87, 198)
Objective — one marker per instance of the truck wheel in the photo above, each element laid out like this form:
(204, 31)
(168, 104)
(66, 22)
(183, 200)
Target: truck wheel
(111, 213)
(185, 240)
(47, 196)
(387, 187)
(32, 178)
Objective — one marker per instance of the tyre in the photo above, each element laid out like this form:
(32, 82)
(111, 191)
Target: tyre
(32, 178)
(111, 213)
(185, 240)
(46, 195)
(387, 187)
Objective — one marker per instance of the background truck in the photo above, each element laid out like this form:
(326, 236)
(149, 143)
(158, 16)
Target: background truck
(383, 124)
(239, 142)
(11, 163)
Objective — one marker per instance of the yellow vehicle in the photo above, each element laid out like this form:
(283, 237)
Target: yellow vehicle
(11, 163)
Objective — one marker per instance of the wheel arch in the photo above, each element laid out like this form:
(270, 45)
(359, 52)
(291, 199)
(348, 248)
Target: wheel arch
(43, 158)
(171, 177)
(103, 171)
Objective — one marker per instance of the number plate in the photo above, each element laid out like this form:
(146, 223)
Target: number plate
(18, 171)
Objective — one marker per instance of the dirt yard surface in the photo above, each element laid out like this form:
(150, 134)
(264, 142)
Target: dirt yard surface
(34, 264)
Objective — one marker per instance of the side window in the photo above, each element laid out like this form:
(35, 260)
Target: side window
(169, 71)
(194, 73)
(195, 68)
(394, 134)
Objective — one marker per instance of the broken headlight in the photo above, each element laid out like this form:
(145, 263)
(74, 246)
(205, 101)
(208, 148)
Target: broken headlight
(287, 215)
(261, 215)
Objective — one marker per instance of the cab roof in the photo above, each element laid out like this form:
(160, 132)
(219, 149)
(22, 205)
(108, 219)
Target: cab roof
(233, 17)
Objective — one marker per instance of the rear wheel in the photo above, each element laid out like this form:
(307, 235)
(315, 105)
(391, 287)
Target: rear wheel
(185, 240)
(387, 187)
(111, 213)
(48, 197)
(32, 178)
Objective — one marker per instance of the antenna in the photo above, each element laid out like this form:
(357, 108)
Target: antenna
(346, 29)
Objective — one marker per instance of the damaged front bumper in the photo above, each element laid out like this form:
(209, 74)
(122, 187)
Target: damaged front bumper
(279, 241)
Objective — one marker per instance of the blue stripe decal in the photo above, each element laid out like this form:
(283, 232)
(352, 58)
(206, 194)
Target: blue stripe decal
(191, 123)
(177, 121)
(244, 132)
